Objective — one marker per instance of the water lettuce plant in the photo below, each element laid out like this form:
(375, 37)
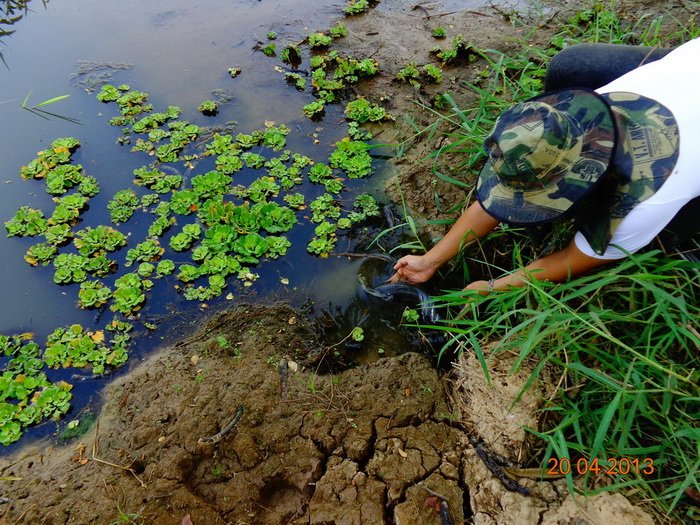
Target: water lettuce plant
(146, 251)
(314, 109)
(93, 294)
(68, 209)
(362, 110)
(352, 157)
(123, 205)
(74, 346)
(208, 107)
(62, 178)
(27, 222)
(42, 253)
(59, 152)
(355, 7)
(319, 39)
(98, 240)
(129, 293)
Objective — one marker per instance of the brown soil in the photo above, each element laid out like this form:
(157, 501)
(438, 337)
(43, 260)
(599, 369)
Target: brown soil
(358, 447)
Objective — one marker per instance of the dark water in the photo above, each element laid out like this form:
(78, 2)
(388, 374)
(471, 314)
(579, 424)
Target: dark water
(179, 52)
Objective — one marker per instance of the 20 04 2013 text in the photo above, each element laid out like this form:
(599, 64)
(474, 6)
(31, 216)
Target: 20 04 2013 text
(609, 466)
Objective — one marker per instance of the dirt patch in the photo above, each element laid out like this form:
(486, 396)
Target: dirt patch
(357, 447)
(348, 448)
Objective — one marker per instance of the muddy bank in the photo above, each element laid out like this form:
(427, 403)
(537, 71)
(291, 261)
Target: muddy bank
(358, 447)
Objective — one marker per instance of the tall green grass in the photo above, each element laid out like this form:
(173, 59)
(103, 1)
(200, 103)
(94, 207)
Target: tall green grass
(624, 340)
(625, 343)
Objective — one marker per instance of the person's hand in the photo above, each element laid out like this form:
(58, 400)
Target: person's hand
(483, 287)
(414, 269)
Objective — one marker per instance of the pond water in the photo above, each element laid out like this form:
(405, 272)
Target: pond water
(179, 52)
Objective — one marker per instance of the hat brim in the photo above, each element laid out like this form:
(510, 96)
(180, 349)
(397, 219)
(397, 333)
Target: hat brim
(598, 143)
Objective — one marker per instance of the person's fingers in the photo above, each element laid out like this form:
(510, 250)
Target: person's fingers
(400, 263)
(398, 276)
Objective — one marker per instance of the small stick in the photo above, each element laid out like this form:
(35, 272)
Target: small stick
(95, 448)
(218, 437)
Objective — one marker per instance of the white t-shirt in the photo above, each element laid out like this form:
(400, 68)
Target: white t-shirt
(674, 81)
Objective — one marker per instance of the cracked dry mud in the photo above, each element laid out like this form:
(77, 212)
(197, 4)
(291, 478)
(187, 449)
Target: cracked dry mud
(350, 448)
(357, 447)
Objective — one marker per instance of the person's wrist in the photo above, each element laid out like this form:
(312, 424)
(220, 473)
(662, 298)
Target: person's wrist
(432, 260)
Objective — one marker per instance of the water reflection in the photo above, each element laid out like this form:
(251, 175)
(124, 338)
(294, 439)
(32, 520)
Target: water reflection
(11, 12)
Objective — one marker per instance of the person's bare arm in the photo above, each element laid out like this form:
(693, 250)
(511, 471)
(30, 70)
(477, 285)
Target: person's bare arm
(559, 266)
(473, 224)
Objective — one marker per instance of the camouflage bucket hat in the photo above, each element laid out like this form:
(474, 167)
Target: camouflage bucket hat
(545, 154)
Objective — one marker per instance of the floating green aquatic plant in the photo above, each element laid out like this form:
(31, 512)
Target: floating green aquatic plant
(98, 240)
(165, 267)
(324, 207)
(68, 209)
(184, 240)
(362, 110)
(314, 109)
(409, 74)
(433, 72)
(122, 206)
(319, 39)
(339, 30)
(42, 253)
(352, 157)
(208, 107)
(74, 346)
(146, 251)
(129, 293)
(297, 80)
(58, 234)
(93, 294)
(229, 228)
(356, 7)
(27, 222)
(270, 50)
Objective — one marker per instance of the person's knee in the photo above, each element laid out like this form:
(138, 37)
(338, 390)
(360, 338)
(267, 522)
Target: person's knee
(565, 71)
